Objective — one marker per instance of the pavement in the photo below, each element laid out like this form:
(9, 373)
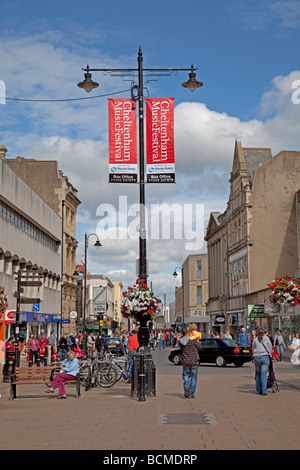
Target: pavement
(227, 414)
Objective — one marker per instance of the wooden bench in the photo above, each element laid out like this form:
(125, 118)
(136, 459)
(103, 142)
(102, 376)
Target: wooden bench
(36, 375)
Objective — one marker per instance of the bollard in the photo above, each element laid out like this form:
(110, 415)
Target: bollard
(30, 362)
(9, 366)
(38, 357)
(150, 376)
(141, 381)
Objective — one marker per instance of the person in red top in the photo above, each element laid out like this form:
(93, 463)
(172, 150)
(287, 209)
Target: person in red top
(132, 344)
(10, 345)
(43, 343)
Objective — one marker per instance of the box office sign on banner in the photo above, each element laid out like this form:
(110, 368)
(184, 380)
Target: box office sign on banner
(160, 140)
(122, 141)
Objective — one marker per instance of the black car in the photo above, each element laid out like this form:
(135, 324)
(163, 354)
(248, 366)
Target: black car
(218, 351)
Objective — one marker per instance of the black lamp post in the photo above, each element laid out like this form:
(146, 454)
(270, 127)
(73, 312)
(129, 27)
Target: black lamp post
(175, 274)
(137, 94)
(97, 245)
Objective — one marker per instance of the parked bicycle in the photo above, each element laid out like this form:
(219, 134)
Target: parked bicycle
(121, 367)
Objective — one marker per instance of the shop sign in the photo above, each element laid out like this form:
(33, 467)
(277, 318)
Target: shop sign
(10, 316)
(256, 311)
(201, 313)
(38, 317)
(219, 319)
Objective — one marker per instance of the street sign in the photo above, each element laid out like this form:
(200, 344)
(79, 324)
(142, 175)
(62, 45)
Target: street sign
(30, 283)
(100, 307)
(28, 300)
(73, 314)
(36, 307)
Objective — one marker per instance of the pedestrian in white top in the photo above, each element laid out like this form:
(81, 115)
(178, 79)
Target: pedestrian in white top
(296, 350)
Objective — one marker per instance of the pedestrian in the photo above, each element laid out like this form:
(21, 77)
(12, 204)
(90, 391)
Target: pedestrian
(227, 335)
(160, 338)
(41, 334)
(190, 362)
(126, 342)
(52, 340)
(33, 344)
(152, 340)
(132, 344)
(295, 349)
(252, 337)
(194, 334)
(91, 344)
(279, 345)
(43, 343)
(262, 353)
(243, 338)
(69, 370)
(98, 343)
(63, 346)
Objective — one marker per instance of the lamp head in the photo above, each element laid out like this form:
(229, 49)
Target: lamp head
(98, 244)
(88, 84)
(192, 84)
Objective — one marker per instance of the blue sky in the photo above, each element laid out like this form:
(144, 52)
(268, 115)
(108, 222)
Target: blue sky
(247, 54)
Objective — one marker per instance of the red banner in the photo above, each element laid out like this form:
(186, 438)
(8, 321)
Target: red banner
(160, 140)
(122, 141)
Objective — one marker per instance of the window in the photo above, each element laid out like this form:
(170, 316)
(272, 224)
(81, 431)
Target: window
(199, 295)
(239, 277)
(198, 269)
(22, 223)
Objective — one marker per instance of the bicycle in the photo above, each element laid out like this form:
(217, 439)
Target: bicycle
(123, 373)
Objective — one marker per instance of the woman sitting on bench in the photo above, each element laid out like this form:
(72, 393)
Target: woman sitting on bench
(69, 370)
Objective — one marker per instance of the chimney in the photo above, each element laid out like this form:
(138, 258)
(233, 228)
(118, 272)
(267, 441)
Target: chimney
(3, 151)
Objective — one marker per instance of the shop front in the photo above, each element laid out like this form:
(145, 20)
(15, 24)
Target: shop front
(32, 323)
(271, 318)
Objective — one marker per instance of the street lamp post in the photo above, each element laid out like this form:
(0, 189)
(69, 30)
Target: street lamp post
(182, 288)
(137, 94)
(97, 244)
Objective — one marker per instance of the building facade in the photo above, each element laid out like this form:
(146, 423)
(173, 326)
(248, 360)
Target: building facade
(30, 241)
(118, 318)
(45, 178)
(192, 295)
(255, 240)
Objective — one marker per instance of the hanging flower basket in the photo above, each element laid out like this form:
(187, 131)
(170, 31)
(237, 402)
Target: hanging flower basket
(3, 300)
(139, 302)
(285, 290)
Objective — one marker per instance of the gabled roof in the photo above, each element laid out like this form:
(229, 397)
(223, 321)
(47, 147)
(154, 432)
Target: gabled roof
(246, 160)
(213, 224)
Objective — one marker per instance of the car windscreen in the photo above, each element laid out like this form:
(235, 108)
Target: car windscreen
(112, 341)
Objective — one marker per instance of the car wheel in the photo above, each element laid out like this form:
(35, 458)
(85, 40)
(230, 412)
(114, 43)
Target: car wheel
(177, 360)
(220, 361)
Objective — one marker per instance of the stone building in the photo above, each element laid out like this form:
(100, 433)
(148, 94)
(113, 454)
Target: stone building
(45, 178)
(30, 241)
(255, 240)
(193, 293)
